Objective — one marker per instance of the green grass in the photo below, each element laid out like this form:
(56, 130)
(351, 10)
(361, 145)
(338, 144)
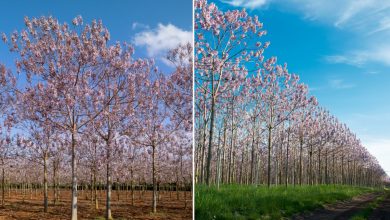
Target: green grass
(251, 202)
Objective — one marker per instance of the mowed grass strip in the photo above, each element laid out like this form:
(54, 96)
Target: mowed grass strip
(276, 202)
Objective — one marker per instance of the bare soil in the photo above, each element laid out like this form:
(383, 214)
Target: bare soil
(342, 210)
(383, 210)
(30, 206)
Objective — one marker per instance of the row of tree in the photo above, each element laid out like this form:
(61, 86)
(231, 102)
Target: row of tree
(255, 122)
(77, 104)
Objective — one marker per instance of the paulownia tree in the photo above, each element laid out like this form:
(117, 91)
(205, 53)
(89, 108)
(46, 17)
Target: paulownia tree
(223, 44)
(38, 148)
(64, 66)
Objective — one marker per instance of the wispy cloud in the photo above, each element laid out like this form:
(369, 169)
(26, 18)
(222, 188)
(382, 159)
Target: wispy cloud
(372, 117)
(351, 10)
(373, 14)
(137, 25)
(353, 60)
(372, 72)
(378, 54)
(340, 84)
(312, 89)
(161, 39)
(246, 3)
(384, 25)
(359, 15)
(367, 20)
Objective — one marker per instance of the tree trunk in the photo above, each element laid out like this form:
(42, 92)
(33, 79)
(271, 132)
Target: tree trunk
(218, 166)
(54, 183)
(300, 160)
(45, 196)
(132, 187)
(118, 187)
(253, 152)
(154, 199)
(326, 168)
(211, 131)
(287, 149)
(108, 183)
(91, 186)
(342, 169)
(74, 178)
(269, 156)
(333, 169)
(311, 165)
(319, 166)
(3, 185)
(94, 186)
(242, 166)
(203, 150)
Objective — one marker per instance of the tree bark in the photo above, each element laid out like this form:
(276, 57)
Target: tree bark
(287, 157)
(108, 179)
(45, 196)
(154, 202)
(211, 132)
(3, 184)
(319, 166)
(269, 155)
(311, 165)
(74, 178)
(300, 160)
(253, 151)
(54, 183)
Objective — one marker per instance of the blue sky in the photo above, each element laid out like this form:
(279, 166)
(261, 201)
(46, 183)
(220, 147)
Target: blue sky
(141, 22)
(342, 52)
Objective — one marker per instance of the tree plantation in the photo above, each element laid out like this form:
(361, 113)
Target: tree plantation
(86, 123)
(264, 147)
(255, 121)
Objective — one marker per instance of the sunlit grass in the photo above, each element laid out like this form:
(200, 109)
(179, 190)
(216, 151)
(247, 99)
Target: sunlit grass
(251, 202)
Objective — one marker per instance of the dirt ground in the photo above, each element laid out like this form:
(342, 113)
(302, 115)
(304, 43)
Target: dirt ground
(168, 207)
(347, 209)
(383, 210)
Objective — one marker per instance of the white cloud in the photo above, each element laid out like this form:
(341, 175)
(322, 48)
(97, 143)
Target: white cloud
(371, 127)
(379, 148)
(246, 3)
(340, 84)
(161, 39)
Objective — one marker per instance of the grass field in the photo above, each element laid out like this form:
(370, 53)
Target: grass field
(251, 202)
